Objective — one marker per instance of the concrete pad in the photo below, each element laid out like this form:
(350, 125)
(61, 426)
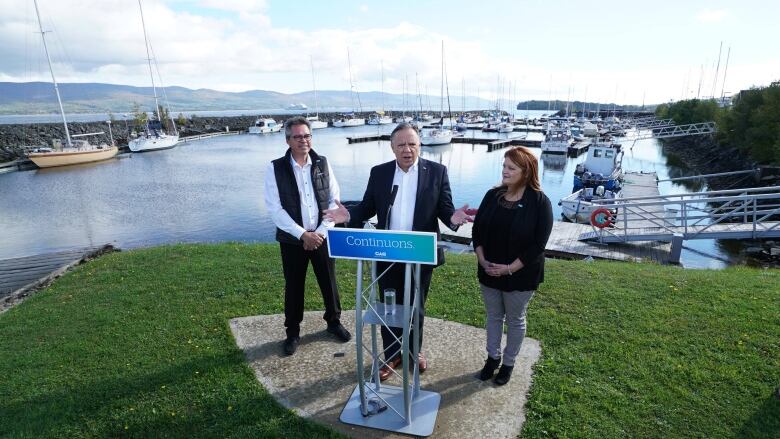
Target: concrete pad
(317, 381)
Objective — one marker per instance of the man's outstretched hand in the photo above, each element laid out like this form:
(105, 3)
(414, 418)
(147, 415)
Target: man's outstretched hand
(338, 215)
(460, 216)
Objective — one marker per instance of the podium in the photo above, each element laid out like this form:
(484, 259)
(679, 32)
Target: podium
(406, 409)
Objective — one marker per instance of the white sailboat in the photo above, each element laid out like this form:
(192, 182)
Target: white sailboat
(76, 151)
(380, 118)
(315, 121)
(154, 136)
(558, 138)
(349, 119)
(438, 136)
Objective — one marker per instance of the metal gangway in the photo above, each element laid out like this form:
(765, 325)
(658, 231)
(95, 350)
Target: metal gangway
(749, 213)
(653, 123)
(668, 132)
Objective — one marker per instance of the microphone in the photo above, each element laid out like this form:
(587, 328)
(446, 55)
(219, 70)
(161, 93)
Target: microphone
(393, 193)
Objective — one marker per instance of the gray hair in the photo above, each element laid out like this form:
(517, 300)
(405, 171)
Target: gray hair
(403, 126)
(294, 121)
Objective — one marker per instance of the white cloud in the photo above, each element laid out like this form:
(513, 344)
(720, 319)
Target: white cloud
(711, 15)
(363, 8)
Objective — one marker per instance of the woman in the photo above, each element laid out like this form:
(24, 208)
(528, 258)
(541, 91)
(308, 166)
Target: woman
(510, 232)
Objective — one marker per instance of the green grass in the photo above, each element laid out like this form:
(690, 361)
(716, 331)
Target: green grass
(137, 344)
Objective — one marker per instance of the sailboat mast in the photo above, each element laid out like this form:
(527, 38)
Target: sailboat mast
(314, 87)
(53, 79)
(149, 61)
(382, 66)
(441, 111)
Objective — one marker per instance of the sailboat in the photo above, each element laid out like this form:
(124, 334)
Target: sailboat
(315, 121)
(77, 151)
(440, 135)
(154, 137)
(349, 119)
(380, 118)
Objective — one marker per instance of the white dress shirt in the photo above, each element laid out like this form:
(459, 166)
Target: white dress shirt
(309, 207)
(402, 216)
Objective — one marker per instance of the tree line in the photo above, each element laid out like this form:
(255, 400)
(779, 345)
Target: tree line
(751, 123)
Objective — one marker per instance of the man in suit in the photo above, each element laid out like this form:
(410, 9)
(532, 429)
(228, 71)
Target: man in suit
(299, 186)
(422, 198)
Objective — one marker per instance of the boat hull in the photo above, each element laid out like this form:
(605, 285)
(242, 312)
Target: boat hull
(264, 130)
(151, 143)
(436, 139)
(348, 123)
(318, 124)
(71, 157)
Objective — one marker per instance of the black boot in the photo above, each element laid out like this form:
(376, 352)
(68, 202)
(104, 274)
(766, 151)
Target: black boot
(489, 369)
(504, 373)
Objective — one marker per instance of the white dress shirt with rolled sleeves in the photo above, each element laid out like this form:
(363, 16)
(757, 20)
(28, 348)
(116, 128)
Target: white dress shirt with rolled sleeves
(402, 215)
(309, 207)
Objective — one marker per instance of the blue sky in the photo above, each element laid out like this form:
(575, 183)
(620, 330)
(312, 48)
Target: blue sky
(607, 51)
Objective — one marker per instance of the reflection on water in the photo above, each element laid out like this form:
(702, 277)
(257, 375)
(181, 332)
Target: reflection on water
(212, 190)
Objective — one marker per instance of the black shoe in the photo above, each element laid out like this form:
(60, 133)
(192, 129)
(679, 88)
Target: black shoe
(291, 345)
(340, 332)
(489, 369)
(504, 373)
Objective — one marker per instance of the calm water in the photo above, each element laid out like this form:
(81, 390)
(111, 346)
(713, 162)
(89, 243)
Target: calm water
(211, 191)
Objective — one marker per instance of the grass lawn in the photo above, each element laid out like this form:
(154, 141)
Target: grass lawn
(137, 344)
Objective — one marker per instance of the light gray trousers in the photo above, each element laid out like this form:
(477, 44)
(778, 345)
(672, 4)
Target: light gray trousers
(509, 307)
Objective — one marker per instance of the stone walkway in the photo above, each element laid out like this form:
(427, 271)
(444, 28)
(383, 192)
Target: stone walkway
(318, 380)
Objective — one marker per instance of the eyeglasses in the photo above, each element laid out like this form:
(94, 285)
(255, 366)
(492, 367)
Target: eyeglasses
(299, 137)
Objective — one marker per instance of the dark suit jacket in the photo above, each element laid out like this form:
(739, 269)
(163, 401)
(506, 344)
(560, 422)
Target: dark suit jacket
(434, 197)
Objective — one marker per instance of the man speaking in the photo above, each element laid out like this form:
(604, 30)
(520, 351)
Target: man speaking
(419, 192)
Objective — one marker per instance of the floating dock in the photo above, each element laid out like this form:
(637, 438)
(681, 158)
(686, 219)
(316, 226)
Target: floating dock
(564, 240)
(492, 143)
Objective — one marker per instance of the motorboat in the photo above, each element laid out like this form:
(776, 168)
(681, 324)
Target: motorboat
(558, 136)
(348, 120)
(602, 167)
(264, 126)
(579, 206)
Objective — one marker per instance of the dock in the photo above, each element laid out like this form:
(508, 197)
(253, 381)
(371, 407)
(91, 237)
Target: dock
(493, 143)
(564, 241)
(578, 148)
(19, 276)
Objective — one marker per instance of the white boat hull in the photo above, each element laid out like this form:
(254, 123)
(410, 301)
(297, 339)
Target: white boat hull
(264, 130)
(151, 143)
(343, 123)
(318, 124)
(577, 210)
(436, 137)
(70, 156)
(555, 147)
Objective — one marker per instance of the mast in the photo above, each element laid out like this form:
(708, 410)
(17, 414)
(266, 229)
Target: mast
(441, 106)
(725, 70)
(314, 87)
(351, 85)
(53, 79)
(382, 87)
(149, 61)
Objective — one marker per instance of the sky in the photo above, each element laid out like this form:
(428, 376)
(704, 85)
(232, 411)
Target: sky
(607, 51)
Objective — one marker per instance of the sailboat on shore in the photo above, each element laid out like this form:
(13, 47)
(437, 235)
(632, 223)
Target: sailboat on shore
(77, 151)
(154, 136)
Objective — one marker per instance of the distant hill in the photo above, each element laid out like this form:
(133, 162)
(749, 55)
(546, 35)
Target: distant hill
(38, 97)
(579, 105)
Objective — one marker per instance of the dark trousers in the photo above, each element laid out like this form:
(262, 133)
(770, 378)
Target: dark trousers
(395, 279)
(295, 262)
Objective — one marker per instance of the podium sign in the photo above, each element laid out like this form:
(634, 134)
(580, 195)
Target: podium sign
(383, 245)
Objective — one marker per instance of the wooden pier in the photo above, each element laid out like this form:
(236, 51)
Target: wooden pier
(19, 276)
(578, 148)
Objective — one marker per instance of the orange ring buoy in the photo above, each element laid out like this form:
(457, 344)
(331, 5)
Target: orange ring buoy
(601, 217)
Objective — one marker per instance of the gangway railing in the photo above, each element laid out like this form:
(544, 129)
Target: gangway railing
(668, 132)
(750, 213)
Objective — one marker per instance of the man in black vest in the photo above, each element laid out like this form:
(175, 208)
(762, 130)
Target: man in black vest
(298, 187)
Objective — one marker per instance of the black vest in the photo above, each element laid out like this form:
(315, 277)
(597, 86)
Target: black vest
(289, 196)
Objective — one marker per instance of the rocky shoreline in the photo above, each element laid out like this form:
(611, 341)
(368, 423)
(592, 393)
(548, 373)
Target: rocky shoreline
(16, 138)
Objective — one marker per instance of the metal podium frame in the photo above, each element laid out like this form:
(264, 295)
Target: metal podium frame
(406, 409)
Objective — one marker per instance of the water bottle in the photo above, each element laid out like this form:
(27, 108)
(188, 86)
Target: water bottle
(389, 301)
